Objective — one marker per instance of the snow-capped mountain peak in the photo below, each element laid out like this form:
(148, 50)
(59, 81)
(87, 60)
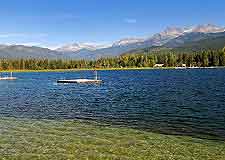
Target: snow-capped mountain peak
(156, 40)
(79, 46)
(172, 31)
(127, 41)
(208, 28)
(205, 28)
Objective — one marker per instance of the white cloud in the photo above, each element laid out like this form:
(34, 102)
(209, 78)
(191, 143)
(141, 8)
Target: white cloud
(23, 35)
(40, 44)
(30, 44)
(130, 20)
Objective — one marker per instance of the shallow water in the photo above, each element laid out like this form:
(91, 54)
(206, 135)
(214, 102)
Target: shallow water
(187, 102)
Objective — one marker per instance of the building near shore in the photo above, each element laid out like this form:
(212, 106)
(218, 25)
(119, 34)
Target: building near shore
(158, 65)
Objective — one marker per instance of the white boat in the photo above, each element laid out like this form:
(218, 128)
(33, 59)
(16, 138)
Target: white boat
(8, 77)
(96, 80)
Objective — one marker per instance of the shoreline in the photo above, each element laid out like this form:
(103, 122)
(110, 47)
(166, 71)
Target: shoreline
(85, 69)
(110, 69)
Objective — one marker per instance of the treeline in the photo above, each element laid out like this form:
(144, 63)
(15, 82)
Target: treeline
(169, 59)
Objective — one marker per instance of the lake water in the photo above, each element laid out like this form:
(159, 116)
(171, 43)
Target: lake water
(186, 102)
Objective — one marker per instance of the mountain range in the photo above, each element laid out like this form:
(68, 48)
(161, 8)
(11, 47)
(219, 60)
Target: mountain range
(171, 37)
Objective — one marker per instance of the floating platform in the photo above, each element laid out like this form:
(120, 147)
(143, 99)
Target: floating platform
(80, 81)
(8, 78)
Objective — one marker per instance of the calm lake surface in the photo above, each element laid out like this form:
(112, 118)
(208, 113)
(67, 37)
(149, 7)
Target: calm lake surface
(186, 102)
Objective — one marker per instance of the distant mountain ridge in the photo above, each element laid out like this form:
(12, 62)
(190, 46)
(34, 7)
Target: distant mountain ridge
(171, 37)
(192, 37)
(159, 39)
(21, 51)
(212, 43)
(199, 42)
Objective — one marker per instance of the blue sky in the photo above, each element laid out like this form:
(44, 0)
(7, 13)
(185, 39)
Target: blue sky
(55, 22)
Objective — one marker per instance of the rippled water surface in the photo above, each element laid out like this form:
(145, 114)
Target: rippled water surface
(188, 102)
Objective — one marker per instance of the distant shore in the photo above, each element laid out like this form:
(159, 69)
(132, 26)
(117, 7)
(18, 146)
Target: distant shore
(102, 69)
(86, 69)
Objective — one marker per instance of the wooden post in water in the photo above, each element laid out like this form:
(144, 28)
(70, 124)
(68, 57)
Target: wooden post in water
(96, 75)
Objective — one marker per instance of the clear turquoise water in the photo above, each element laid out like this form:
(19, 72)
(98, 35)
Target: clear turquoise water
(186, 102)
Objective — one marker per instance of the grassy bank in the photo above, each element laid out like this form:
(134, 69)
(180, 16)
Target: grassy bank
(35, 139)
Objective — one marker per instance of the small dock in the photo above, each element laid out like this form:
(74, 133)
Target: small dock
(80, 81)
(8, 78)
(96, 80)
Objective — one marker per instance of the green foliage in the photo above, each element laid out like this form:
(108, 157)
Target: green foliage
(169, 58)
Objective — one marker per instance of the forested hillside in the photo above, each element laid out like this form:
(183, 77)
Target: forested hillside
(168, 58)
